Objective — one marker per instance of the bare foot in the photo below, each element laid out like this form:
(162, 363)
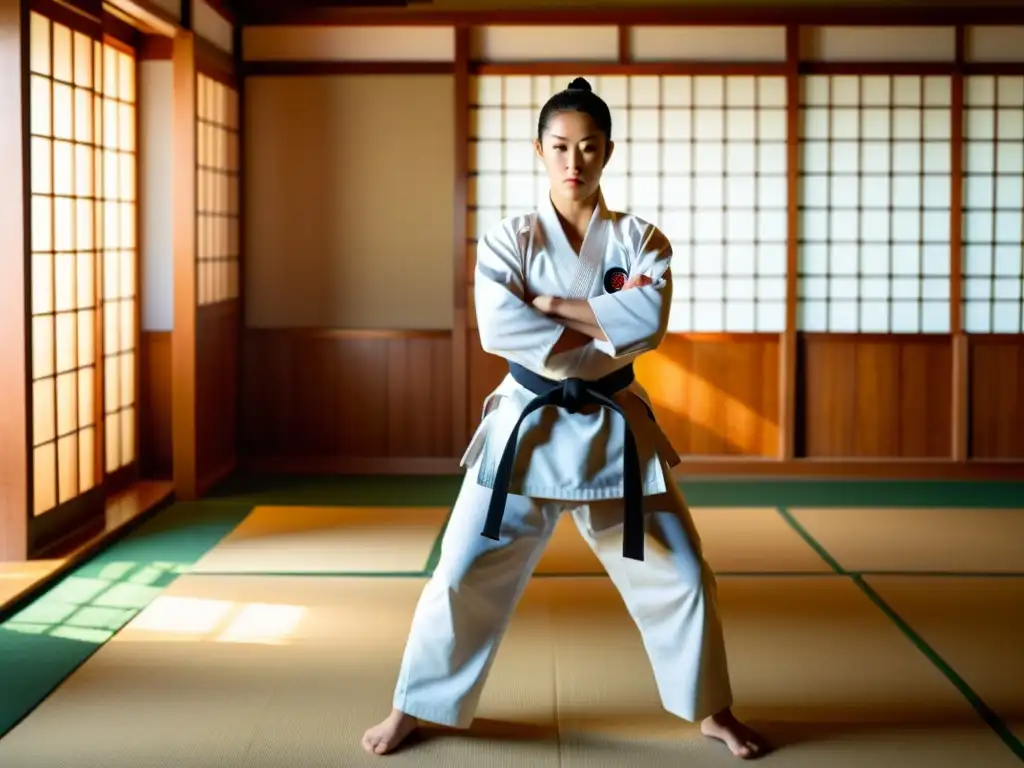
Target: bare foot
(387, 735)
(741, 740)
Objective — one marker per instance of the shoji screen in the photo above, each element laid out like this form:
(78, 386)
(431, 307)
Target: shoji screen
(874, 251)
(66, 234)
(120, 256)
(217, 194)
(993, 229)
(702, 157)
(84, 260)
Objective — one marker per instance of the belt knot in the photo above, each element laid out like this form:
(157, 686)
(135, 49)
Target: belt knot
(573, 394)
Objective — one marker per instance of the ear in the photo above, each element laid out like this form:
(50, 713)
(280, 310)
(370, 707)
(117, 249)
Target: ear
(608, 153)
(538, 148)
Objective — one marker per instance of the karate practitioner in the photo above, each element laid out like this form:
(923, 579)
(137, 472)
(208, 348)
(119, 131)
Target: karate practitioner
(571, 292)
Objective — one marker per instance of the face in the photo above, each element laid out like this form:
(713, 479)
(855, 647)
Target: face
(575, 153)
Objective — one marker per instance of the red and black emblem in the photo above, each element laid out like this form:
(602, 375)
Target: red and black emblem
(614, 279)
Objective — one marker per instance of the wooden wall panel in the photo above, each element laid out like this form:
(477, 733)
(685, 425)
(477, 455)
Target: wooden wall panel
(716, 396)
(216, 390)
(156, 452)
(346, 394)
(997, 397)
(712, 396)
(876, 396)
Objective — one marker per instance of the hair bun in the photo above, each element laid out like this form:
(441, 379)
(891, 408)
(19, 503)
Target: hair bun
(580, 84)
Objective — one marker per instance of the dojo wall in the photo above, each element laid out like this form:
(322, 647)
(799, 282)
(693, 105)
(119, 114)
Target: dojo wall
(815, 319)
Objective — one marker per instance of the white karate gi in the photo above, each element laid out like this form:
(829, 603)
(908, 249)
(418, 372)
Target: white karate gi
(566, 462)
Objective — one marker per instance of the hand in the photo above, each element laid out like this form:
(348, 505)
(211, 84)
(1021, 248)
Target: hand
(544, 304)
(637, 282)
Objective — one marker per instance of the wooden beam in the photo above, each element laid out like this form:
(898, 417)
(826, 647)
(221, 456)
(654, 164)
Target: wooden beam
(15, 372)
(706, 15)
(183, 335)
(961, 376)
(305, 68)
(789, 370)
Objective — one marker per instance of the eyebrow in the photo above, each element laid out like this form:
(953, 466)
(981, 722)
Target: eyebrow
(562, 138)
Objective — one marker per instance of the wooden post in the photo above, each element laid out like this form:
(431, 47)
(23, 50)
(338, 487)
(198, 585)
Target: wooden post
(788, 368)
(183, 335)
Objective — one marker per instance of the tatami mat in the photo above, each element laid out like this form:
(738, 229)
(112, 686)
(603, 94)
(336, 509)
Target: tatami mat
(328, 540)
(944, 540)
(735, 540)
(976, 625)
(284, 671)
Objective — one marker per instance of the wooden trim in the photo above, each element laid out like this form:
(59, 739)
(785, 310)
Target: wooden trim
(887, 69)
(15, 225)
(632, 68)
(959, 422)
(789, 368)
(91, 8)
(460, 250)
(625, 44)
(993, 68)
(242, 245)
(76, 19)
(876, 338)
(350, 333)
(844, 469)
(156, 48)
(140, 105)
(350, 465)
(708, 15)
(696, 467)
(222, 9)
(279, 68)
(214, 63)
(145, 15)
(183, 336)
(119, 32)
(994, 339)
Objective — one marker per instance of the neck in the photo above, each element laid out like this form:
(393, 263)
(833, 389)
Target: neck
(576, 213)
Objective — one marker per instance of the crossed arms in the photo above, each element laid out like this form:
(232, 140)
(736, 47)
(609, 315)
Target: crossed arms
(578, 318)
(529, 329)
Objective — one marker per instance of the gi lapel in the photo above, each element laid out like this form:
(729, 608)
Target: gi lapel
(584, 267)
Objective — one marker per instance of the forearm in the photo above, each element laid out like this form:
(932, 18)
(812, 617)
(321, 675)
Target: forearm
(577, 315)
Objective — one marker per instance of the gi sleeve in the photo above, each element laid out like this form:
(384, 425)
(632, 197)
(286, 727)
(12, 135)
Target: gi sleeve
(635, 321)
(509, 326)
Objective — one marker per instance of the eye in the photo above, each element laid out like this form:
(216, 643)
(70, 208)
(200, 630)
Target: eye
(560, 147)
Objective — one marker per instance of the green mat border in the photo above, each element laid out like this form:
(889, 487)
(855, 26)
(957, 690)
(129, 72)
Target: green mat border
(441, 490)
(985, 712)
(33, 666)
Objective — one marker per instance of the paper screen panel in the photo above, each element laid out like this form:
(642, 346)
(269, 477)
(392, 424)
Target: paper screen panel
(217, 206)
(66, 126)
(874, 251)
(703, 158)
(120, 256)
(993, 225)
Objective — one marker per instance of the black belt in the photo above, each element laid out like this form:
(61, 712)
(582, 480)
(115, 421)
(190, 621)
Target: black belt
(573, 395)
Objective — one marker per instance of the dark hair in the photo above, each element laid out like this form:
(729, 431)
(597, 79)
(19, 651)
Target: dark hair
(578, 97)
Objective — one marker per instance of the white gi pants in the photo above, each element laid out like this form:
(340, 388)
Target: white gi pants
(466, 606)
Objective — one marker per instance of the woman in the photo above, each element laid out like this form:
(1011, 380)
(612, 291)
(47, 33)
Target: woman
(569, 295)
